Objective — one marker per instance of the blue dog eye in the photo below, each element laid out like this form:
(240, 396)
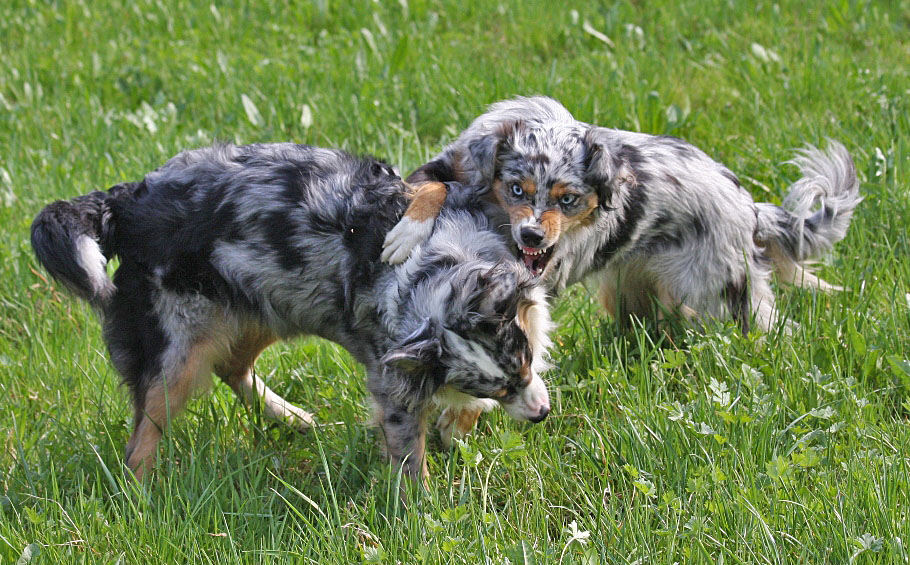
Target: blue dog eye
(517, 190)
(568, 199)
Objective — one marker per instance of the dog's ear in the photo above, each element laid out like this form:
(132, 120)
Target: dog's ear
(501, 287)
(486, 149)
(411, 371)
(600, 167)
(418, 353)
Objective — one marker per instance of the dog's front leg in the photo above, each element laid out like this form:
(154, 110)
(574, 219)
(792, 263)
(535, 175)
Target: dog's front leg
(404, 431)
(417, 223)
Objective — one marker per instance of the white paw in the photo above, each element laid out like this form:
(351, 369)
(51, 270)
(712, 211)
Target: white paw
(301, 419)
(293, 416)
(403, 238)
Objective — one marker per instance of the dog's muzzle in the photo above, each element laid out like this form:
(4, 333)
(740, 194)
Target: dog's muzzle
(532, 404)
(541, 416)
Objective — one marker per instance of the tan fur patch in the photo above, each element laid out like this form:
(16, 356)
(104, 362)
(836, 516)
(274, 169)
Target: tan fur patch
(552, 222)
(466, 420)
(193, 375)
(163, 401)
(523, 318)
(585, 217)
(582, 218)
(558, 190)
(560, 223)
(502, 192)
(516, 213)
(236, 369)
(243, 354)
(525, 373)
(608, 298)
(141, 447)
(428, 199)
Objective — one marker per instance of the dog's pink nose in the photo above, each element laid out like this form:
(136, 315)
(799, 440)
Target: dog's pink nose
(542, 415)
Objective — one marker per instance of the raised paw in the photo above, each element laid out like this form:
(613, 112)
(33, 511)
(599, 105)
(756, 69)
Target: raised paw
(404, 237)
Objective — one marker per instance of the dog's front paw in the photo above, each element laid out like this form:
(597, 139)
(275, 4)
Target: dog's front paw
(455, 422)
(298, 418)
(403, 238)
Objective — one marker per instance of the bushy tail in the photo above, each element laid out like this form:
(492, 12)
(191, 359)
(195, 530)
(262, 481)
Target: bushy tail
(71, 239)
(795, 234)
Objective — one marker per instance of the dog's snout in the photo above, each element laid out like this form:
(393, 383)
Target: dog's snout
(531, 236)
(541, 416)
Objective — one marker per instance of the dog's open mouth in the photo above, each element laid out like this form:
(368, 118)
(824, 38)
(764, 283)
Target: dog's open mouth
(535, 259)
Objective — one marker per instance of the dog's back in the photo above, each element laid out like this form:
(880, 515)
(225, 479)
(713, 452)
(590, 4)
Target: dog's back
(260, 226)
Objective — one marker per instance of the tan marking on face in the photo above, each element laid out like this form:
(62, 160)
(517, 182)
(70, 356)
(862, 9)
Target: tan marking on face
(500, 393)
(525, 373)
(552, 222)
(529, 186)
(585, 217)
(588, 204)
(519, 213)
(427, 201)
(558, 190)
(516, 213)
(555, 222)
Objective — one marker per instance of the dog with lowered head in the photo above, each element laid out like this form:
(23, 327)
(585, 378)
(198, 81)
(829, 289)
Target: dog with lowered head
(227, 249)
(660, 225)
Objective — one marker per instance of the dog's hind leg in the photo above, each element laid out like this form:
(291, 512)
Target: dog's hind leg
(607, 295)
(237, 371)
(629, 292)
(764, 308)
(162, 401)
(669, 304)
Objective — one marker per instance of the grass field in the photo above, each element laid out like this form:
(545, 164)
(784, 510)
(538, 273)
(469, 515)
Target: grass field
(710, 448)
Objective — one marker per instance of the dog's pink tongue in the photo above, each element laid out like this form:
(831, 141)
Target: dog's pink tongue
(529, 261)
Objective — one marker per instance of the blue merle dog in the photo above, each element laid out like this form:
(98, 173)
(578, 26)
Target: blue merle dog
(662, 227)
(227, 249)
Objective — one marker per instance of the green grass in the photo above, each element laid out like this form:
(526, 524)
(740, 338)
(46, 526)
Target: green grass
(710, 448)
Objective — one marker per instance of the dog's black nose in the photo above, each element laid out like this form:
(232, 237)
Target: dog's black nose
(531, 236)
(542, 415)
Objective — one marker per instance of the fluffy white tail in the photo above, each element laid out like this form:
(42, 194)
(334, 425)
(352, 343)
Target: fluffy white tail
(815, 215)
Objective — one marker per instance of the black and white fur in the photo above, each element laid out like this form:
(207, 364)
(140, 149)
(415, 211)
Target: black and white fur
(226, 249)
(652, 217)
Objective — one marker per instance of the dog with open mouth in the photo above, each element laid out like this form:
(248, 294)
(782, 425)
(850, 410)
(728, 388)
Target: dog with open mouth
(660, 225)
(225, 250)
